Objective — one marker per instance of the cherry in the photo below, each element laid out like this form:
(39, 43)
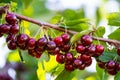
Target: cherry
(66, 38)
(55, 51)
(11, 45)
(39, 50)
(51, 45)
(5, 28)
(37, 55)
(65, 48)
(91, 50)
(60, 58)
(77, 63)
(31, 43)
(86, 40)
(110, 65)
(85, 57)
(82, 67)
(101, 64)
(14, 29)
(118, 50)
(99, 49)
(118, 66)
(58, 41)
(41, 42)
(11, 18)
(68, 56)
(69, 67)
(88, 63)
(112, 72)
(80, 48)
(10, 37)
(23, 47)
(32, 52)
(22, 39)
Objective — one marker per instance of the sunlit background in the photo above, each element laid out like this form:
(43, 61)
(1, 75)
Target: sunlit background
(46, 9)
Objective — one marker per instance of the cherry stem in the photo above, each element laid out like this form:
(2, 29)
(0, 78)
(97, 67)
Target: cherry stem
(3, 9)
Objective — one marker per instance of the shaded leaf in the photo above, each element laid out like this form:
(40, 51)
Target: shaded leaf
(100, 31)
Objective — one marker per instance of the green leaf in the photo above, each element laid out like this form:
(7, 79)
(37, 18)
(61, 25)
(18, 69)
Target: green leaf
(26, 2)
(102, 75)
(77, 36)
(100, 31)
(114, 34)
(56, 19)
(117, 76)
(75, 22)
(45, 56)
(13, 6)
(107, 56)
(114, 19)
(66, 75)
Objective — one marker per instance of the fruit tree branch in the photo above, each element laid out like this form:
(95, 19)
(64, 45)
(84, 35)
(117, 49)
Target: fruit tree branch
(45, 24)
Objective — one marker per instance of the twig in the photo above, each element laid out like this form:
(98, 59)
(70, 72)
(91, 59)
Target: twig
(57, 27)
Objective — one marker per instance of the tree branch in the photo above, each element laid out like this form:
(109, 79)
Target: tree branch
(45, 24)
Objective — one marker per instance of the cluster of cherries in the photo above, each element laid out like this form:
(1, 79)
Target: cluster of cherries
(59, 46)
(86, 51)
(112, 66)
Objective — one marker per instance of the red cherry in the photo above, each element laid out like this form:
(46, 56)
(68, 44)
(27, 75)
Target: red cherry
(82, 67)
(58, 41)
(14, 29)
(80, 48)
(11, 45)
(88, 63)
(112, 72)
(10, 37)
(11, 18)
(5, 28)
(41, 42)
(31, 43)
(77, 63)
(85, 57)
(86, 40)
(110, 65)
(60, 58)
(65, 48)
(66, 38)
(22, 39)
(55, 51)
(91, 50)
(69, 67)
(101, 64)
(99, 49)
(39, 50)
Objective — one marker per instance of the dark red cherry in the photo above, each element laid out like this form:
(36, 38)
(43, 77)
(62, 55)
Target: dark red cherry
(77, 63)
(11, 18)
(12, 45)
(68, 56)
(118, 67)
(10, 37)
(69, 67)
(14, 29)
(51, 45)
(110, 65)
(91, 50)
(118, 50)
(58, 41)
(112, 72)
(32, 52)
(5, 28)
(86, 40)
(88, 63)
(55, 51)
(65, 48)
(23, 47)
(31, 43)
(101, 64)
(41, 42)
(82, 67)
(99, 49)
(39, 50)
(80, 48)
(85, 57)
(66, 38)
(22, 39)
(60, 58)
